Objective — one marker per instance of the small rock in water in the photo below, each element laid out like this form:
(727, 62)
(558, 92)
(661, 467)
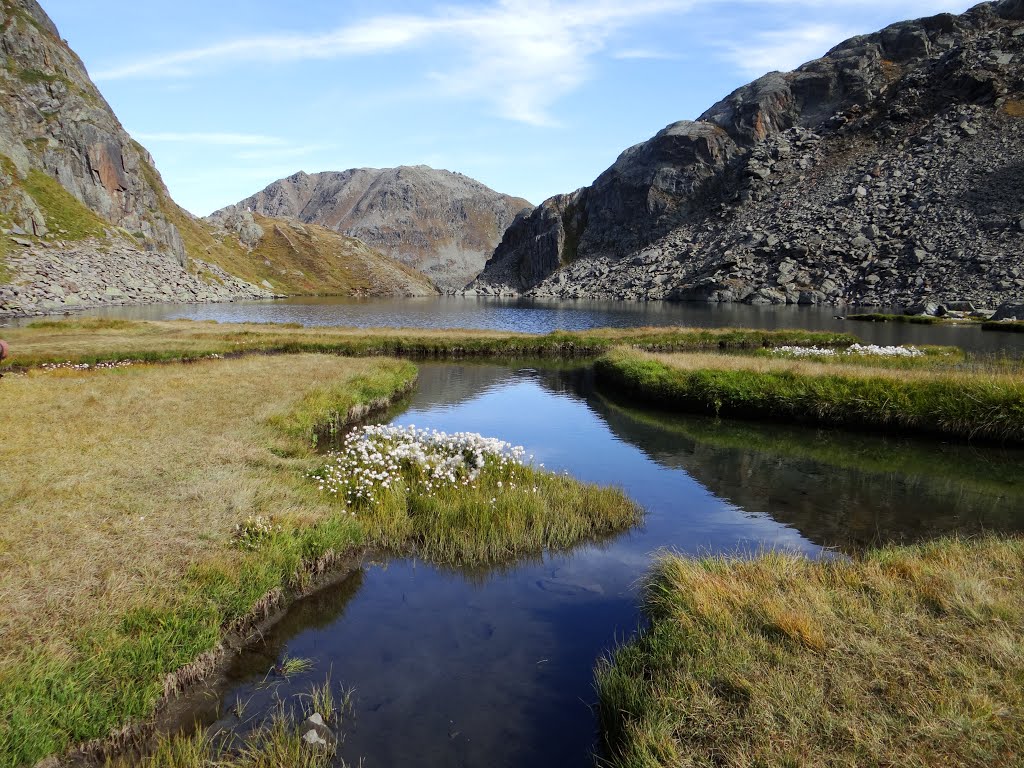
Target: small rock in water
(314, 739)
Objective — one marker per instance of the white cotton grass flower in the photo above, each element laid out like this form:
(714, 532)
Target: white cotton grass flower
(863, 350)
(376, 458)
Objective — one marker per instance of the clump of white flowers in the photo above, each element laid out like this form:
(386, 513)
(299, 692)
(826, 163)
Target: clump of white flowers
(854, 349)
(69, 366)
(254, 531)
(375, 458)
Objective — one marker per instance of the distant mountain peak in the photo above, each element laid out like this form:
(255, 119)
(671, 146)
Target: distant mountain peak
(443, 223)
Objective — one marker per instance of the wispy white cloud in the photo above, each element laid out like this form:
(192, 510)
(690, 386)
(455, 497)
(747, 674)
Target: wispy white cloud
(282, 153)
(644, 53)
(784, 49)
(520, 56)
(216, 139)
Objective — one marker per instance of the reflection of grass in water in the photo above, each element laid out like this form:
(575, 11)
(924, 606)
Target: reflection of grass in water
(908, 655)
(988, 471)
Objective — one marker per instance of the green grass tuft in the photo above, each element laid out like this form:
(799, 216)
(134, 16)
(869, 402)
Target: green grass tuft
(36, 76)
(62, 210)
(499, 520)
(1006, 326)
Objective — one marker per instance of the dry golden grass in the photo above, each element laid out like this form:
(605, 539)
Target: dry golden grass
(862, 368)
(1014, 107)
(93, 339)
(115, 482)
(911, 657)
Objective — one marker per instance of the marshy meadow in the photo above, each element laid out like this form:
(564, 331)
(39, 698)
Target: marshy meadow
(172, 489)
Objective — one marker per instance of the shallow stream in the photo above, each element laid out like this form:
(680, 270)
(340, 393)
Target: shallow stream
(495, 668)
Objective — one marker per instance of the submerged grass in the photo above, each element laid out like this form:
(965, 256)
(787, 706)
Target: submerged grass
(910, 656)
(276, 744)
(966, 406)
(96, 340)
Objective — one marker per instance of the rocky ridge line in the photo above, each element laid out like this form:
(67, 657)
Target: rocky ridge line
(85, 219)
(889, 172)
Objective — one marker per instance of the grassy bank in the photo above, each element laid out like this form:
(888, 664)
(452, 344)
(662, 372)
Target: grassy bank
(965, 406)
(1006, 326)
(118, 560)
(910, 656)
(148, 510)
(463, 499)
(91, 341)
(879, 317)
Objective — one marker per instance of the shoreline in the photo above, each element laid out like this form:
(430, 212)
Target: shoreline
(207, 672)
(242, 633)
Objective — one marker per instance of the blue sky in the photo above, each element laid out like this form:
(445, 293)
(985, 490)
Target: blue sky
(531, 98)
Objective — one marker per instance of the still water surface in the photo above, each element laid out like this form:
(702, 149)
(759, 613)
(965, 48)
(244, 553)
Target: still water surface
(495, 668)
(544, 316)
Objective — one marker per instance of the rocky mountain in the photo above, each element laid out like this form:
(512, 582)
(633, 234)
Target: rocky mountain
(85, 219)
(441, 223)
(888, 172)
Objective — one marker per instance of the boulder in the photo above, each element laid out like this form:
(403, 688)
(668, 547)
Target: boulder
(1009, 311)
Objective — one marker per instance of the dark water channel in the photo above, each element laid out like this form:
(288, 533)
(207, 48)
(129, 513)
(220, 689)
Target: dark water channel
(495, 668)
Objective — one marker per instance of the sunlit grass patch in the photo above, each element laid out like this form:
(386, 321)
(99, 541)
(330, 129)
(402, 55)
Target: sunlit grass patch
(965, 404)
(911, 656)
(463, 498)
(94, 341)
(120, 561)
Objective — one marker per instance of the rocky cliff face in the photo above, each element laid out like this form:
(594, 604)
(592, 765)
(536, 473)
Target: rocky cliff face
(85, 218)
(55, 121)
(887, 172)
(441, 223)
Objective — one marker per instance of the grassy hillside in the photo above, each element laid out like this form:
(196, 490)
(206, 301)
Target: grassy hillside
(309, 259)
(297, 259)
